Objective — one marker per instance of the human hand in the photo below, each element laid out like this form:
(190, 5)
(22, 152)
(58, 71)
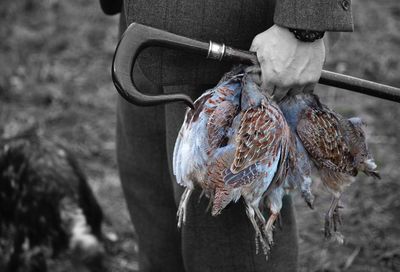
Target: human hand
(286, 62)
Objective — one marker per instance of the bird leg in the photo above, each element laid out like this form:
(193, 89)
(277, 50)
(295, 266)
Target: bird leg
(260, 216)
(280, 224)
(308, 198)
(210, 203)
(181, 213)
(332, 217)
(203, 192)
(259, 237)
(210, 199)
(336, 217)
(269, 227)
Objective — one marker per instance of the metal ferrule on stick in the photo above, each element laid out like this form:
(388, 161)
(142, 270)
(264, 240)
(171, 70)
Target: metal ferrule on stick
(216, 51)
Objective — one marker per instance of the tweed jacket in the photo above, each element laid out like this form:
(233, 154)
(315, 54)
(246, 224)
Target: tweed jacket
(321, 15)
(232, 22)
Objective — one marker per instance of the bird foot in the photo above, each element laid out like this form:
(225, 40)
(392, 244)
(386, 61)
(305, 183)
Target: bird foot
(259, 239)
(332, 220)
(338, 237)
(280, 222)
(308, 198)
(269, 228)
(269, 233)
(202, 194)
(181, 213)
(209, 205)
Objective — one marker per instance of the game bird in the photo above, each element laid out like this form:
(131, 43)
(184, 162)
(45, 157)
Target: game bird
(298, 177)
(243, 151)
(205, 128)
(300, 174)
(262, 159)
(336, 145)
(46, 205)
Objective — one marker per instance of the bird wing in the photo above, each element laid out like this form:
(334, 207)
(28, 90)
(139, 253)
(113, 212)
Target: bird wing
(287, 158)
(320, 132)
(216, 174)
(188, 142)
(219, 173)
(219, 122)
(204, 129)
(246, 176)
(259, 137)
(224, 182)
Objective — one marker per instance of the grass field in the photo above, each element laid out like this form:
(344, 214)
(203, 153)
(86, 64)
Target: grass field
(55, 71)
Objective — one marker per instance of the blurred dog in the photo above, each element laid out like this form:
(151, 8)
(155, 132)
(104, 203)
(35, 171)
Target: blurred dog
(46, 206)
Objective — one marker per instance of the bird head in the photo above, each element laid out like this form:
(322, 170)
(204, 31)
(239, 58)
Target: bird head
(357, 122)
(369, 166)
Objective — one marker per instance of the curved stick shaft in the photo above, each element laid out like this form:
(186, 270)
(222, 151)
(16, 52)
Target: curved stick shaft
(137, 37)
(360, 86)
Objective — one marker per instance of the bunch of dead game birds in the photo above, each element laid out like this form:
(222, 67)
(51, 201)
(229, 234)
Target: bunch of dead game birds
(239, 142)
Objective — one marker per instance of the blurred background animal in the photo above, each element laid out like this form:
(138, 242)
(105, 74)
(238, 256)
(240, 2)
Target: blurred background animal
(46, 206)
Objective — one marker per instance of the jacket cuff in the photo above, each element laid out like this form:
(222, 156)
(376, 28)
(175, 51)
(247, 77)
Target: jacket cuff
(317, 15)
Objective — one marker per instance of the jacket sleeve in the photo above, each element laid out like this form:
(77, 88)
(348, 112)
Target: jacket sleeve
(111, 7)
(318, 15)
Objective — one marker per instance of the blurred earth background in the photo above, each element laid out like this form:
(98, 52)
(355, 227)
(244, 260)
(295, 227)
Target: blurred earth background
(55, 61)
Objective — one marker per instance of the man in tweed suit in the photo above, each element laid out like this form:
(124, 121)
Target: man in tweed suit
(280, 34)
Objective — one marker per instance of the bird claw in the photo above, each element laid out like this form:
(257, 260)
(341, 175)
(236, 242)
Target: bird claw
(327, 229)
(269, 233)
(332, 221)
(337, 219)
(308, 198)
(334, 236)
(203, 192)
(338, 237)
(181, 213)
(279, 219)
(269, 228)
(259, 239)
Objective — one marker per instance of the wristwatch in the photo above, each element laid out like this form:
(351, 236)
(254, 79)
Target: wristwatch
(307, 35)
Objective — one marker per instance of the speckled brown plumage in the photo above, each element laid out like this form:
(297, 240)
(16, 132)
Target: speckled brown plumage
(338, 148)
(259, 136)
(322, 137)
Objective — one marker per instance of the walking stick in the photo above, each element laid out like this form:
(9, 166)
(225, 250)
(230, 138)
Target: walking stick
(137, 37)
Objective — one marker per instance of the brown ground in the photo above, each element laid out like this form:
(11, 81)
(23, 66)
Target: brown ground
(55, 70)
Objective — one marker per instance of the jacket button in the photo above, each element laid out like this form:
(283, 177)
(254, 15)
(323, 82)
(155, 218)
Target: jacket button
(345, 4)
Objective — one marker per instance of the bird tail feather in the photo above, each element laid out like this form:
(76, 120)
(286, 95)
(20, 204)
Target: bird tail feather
(222, 197)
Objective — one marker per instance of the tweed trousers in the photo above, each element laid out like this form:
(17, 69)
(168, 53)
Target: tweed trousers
(145, 140)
